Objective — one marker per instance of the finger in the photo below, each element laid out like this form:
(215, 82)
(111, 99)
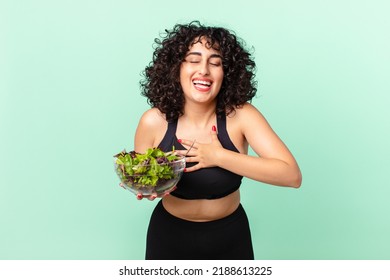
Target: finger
(165, 194)
(187, 143)
(168, 192)
(152, 197)
(183, 141)
(193, 168)
(189, 153)
(181, 152)
(192, 159)
(214, 133)
(140, 196)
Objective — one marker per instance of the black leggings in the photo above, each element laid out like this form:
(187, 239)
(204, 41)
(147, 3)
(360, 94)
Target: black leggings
(172, 238)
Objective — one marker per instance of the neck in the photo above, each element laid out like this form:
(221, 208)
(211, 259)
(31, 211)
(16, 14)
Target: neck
(200, 116)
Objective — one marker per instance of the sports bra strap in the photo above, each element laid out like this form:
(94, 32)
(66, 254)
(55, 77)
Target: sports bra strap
(223, 135)
(169, 136)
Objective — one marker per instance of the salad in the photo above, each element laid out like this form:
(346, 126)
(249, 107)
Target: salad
(147, 169)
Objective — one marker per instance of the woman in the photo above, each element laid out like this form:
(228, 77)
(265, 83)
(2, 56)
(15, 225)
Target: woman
(199, 84)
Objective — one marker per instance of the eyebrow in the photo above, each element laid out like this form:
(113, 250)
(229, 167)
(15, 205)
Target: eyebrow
(200, 54)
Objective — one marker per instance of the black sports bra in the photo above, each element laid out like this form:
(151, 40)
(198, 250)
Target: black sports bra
(205, 183)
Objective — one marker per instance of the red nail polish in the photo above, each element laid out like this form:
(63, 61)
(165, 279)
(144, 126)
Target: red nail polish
(214, 128)
(139, 196)
(185, 169)
(179, 140)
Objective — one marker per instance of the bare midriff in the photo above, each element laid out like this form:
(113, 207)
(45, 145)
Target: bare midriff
(202, 210)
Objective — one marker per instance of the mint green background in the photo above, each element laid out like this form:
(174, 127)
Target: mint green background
(70, 99)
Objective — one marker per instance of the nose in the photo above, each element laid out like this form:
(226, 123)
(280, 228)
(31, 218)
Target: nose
(204, 68)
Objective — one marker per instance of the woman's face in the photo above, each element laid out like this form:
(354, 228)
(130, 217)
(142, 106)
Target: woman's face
(201, 73)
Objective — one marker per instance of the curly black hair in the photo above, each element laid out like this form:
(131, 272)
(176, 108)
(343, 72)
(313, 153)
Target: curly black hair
(161, 83)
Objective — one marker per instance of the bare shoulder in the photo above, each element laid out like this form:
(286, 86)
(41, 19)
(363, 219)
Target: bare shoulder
(152, 118)
(253, 125)
(248, 108)
(247, 114)
(151, 129)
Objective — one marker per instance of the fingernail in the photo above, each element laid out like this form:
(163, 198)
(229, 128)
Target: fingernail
(139, 196)
(214, 128)
(179, 140)
(185, 169)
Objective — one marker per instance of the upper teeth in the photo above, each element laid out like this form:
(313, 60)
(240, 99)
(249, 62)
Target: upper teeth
(202, 82)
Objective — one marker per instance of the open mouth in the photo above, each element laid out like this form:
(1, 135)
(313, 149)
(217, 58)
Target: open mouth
(202, 84)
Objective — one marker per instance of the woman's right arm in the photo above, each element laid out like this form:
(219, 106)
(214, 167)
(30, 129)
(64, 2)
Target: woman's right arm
(150, 130)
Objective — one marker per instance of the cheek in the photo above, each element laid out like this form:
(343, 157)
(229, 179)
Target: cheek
(220, 77)
(185, 81)
(182, 75)
(220, 81)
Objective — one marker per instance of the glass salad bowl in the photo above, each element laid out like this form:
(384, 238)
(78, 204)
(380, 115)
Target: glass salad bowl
(152, 173)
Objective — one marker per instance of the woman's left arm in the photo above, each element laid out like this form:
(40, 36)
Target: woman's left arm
(274, 163)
